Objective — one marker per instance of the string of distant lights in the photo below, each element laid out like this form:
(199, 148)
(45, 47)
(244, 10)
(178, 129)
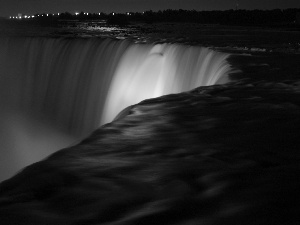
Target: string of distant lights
(20, 16)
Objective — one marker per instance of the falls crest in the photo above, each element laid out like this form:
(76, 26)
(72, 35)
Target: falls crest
(148, 71)
(82, 83)
(53, 92)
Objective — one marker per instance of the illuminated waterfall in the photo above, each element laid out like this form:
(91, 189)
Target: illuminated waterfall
(67, 80)
(82, 83)
(78, 84)
(148, 71)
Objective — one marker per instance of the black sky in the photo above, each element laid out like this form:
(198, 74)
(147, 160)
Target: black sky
(12, 7)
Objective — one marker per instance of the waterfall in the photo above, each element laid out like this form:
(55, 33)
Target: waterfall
(148, 71)
(79, 84)
(64, 79)
(84, 83)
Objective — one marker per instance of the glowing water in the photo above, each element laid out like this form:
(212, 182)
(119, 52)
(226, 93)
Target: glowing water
(148, 71)
(78, 84)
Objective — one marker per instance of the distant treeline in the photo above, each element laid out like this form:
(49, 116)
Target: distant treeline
(228, 17)
(232, 17)
(251, 17)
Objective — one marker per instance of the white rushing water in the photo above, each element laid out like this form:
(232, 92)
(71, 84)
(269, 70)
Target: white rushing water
(56, 90)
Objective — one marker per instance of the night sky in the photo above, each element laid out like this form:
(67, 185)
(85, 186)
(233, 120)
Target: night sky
(12, 7)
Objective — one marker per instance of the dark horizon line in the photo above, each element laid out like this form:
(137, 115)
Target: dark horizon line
(150, 10)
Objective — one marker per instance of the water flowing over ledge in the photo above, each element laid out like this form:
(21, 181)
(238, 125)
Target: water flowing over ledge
(53, 92)
(82, 83)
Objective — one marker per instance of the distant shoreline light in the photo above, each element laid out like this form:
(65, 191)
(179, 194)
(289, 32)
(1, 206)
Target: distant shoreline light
(20, 16)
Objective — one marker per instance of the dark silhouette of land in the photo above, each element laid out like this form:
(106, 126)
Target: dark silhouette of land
(276, 17)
